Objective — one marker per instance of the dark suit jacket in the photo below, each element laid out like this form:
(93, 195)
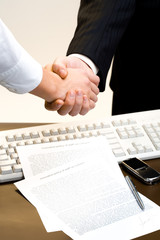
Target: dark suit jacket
(129, 30)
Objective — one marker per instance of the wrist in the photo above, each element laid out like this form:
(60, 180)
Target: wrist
(47, 88)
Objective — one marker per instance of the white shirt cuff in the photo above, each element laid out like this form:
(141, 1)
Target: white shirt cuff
(87, 61)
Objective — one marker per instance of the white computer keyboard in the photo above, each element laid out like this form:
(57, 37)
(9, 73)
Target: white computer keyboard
(129, 135)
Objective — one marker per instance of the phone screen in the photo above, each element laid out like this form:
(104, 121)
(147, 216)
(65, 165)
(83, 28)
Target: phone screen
(136, 164)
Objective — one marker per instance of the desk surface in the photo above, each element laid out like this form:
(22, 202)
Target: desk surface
(20, 220)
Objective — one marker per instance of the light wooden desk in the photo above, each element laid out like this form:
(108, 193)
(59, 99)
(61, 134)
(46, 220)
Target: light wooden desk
(20, 220)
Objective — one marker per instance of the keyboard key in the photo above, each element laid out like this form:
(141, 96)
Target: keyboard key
(105, 125)
(105, 131)
(132, 150)
(90, 127)
(26, 136)
(70, 130)
(157, 146)
(140, 149)
(34, 134)
(18, 161)
(4, 157)
(45, 140)
(131, 121)
(2, 151)
(116, 123)
(77, 135)
(12, 145)
(10, 138)
(87, 134)
(7, 163)
(82, 128)
(94, 133)
(116, 146)
(61, 138)
(119, 152)
(46, 133)
(154, 125)
(122, 134)
(37, 141)
(113, 141)
(17, 168)
(69, 137)
(62, 130)
(53, 139)
(156, 140)
(131, 134)
(124, 122)
(157, 129)
(139, 133)
(54, 131)
(18, 137)
(14, 156)
(148, 148)
(152, 135)
(21, 144)
(30, 142)
(10, 151)
(97, 125)
(6, 170)
(110, 136)
(4, 146)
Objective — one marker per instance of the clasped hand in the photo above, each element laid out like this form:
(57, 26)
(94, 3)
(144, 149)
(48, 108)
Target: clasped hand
(76, 87)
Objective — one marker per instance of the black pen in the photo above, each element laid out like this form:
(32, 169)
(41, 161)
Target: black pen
(135, 193)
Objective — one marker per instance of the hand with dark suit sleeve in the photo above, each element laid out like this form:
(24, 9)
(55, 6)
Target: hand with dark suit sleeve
(127, 32)
(101, 24)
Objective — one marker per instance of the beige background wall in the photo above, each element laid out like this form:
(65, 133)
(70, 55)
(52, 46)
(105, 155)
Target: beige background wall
(44, 28)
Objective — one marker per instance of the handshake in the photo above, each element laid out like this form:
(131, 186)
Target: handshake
(68, 86)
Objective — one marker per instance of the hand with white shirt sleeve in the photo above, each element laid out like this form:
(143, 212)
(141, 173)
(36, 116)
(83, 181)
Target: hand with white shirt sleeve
(60, 67)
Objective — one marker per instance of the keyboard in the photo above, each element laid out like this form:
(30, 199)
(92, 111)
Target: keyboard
(129, 135)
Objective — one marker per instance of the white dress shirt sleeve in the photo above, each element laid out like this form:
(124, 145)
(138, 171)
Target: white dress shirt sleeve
(19, 72)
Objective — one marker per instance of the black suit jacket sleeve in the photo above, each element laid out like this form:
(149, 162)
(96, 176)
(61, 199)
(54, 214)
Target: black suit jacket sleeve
(101, 24)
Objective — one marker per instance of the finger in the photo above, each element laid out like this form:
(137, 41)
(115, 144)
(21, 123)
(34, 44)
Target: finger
(60, 67)
(78, 103)
(54, 106)
(94, 92)
(48, 67)
(94, 88)
(85, 107)
(92, 104)
(93, 78)
(68, 103)
(93, 97)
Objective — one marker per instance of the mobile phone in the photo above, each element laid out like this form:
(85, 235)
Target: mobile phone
(141, 170)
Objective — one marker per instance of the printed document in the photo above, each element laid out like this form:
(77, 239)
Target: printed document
(81, 191)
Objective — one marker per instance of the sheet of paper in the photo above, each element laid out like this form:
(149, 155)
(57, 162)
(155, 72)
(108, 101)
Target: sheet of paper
(87, 196)
(39, 158)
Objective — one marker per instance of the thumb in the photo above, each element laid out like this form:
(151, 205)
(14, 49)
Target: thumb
(60, 67)
(54, 106)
